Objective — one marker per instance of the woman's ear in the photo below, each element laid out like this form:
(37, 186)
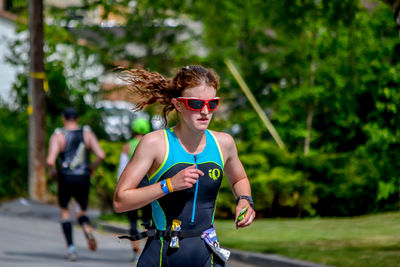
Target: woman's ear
(177, 104)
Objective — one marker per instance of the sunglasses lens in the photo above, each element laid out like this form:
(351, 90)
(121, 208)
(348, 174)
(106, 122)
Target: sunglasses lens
(213, 104)
(196, 104)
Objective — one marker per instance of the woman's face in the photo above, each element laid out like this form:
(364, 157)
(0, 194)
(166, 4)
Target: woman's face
(197, 120)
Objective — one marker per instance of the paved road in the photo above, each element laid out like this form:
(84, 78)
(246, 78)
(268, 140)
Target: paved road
(26, 240)
(39, 242)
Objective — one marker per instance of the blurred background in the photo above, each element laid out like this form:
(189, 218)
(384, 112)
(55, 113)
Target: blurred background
(325, 73)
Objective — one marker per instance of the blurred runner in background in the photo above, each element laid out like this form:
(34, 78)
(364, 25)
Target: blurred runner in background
(72, 144)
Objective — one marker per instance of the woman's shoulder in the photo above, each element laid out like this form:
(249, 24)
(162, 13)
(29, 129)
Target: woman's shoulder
(224, 139)
(153, 138)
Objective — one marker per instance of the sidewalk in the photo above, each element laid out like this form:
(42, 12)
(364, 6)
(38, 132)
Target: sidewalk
(24, 208)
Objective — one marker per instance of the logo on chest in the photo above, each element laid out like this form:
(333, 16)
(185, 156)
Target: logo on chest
(214, 173)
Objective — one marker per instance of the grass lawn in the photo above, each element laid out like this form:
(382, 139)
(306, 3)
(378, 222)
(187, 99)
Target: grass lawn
(372, 240)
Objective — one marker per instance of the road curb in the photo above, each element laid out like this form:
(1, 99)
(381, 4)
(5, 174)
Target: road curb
(257, 259)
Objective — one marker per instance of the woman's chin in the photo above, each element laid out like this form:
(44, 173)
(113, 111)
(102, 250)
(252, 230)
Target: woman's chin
(202, 126)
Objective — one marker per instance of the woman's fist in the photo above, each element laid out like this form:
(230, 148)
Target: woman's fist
(186, 178)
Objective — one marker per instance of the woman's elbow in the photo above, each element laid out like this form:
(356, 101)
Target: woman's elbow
(117, 205)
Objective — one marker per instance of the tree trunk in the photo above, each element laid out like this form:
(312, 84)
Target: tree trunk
(310, 114)
(310, 110)
(36, 109)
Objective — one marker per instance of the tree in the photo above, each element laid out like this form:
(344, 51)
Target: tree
(395, 5)
(36, 108)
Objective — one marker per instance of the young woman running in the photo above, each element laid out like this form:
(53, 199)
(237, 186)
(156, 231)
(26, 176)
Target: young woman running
(185, 165)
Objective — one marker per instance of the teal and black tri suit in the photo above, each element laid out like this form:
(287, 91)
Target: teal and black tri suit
(194, 207)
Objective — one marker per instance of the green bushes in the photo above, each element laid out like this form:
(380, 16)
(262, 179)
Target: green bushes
(345, 184)
(13, 153)
(292, 185)
(278, 188)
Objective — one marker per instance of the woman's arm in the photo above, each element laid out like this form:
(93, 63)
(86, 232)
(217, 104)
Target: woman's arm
(237, 177)
(127, 196)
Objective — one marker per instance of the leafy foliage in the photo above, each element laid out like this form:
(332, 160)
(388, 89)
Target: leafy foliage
(13, 153)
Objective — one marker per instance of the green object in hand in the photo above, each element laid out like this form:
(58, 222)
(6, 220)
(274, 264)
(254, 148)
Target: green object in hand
(242, 214)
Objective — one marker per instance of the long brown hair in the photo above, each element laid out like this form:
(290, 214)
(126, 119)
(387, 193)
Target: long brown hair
(152, 87)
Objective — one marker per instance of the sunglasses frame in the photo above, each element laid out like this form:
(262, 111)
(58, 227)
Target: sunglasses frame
(205, 102)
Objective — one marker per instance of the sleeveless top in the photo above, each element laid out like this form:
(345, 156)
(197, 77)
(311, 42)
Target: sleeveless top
(74, 159)
(194, 207)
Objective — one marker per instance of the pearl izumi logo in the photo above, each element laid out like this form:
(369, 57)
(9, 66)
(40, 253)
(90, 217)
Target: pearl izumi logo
(214, 174)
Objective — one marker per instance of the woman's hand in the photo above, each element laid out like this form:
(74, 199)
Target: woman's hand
(248, 218)
(186, 178)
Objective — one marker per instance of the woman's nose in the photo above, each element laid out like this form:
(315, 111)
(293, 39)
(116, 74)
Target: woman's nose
(205, 109)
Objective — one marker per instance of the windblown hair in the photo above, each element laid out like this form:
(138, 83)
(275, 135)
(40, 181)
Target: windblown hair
(152, 87)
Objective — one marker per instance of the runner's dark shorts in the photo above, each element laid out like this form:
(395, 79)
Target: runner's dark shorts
(192, 252)
(76, 186)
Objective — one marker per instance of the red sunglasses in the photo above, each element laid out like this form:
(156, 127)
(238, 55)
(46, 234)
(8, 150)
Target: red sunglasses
(197, 104)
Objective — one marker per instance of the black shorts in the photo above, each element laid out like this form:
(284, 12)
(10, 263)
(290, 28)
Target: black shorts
(76, 186)
(192, 252)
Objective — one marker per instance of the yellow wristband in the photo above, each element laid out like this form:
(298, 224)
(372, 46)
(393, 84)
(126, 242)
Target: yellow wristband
(169, 185)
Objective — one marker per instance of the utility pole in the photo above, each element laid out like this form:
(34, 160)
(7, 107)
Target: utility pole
(36, 109)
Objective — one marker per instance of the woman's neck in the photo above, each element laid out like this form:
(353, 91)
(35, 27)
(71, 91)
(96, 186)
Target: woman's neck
(192, 141)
